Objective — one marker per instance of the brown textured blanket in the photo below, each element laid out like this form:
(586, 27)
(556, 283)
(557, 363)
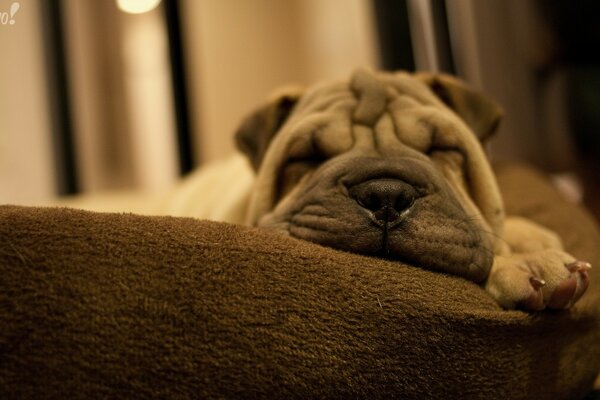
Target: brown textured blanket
(125, 306)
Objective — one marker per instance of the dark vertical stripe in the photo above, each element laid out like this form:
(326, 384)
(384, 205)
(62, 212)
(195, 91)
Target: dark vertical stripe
(59, 101)
(442, 36)
(176, 53)
(393, 34)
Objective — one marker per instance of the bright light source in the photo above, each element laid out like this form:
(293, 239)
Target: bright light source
(137, 6)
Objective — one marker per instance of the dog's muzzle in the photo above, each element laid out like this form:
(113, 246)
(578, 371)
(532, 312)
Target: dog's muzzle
(396, 208)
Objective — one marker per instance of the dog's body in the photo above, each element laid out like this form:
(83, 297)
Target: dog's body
(391, 165)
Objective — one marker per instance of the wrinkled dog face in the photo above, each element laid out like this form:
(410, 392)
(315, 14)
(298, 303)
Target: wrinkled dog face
(388, 165)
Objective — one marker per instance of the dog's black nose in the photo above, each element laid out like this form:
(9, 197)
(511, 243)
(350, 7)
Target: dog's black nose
(386, 198)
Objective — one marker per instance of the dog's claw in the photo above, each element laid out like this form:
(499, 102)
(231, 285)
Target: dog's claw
(576, 266)
(537, 283)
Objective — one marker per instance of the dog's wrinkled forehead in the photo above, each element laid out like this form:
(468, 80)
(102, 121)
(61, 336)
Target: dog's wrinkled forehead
(368, 95)
(373, 95)
(368, 111)
(362, 100)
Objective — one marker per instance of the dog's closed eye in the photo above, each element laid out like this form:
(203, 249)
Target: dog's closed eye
(449, 158)
(456, 154)
(293, 171)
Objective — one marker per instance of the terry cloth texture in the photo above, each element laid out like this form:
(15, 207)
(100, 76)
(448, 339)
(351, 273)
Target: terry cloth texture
(122, 306)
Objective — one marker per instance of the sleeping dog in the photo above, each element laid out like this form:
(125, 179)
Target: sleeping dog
(391, 165)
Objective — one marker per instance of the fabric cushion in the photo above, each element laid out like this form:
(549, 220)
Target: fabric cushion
(128, 306)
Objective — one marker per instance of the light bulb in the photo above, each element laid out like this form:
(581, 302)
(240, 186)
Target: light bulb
(137, 6)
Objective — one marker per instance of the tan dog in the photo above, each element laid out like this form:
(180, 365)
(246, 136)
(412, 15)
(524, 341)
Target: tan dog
(391, 165)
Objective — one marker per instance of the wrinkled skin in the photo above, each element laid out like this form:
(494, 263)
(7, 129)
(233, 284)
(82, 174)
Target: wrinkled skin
(391, 165)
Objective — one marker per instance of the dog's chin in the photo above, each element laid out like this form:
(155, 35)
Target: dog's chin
(443, 242)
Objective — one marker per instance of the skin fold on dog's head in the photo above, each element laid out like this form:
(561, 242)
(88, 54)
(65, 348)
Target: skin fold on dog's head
(385, 164)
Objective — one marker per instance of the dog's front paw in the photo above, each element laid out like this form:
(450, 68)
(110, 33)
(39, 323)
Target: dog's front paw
(534, 281)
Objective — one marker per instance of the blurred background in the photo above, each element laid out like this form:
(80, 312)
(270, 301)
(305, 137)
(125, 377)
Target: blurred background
(104, 95)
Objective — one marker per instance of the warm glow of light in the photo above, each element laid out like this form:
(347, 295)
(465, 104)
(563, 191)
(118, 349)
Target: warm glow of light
(137, 6)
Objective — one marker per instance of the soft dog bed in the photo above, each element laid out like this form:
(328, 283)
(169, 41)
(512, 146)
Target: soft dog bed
(125, 306)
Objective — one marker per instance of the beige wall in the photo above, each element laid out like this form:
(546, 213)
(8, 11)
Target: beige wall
(26, 163)
(240, 50)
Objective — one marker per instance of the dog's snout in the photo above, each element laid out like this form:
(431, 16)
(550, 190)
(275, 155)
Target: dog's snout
(385, 198)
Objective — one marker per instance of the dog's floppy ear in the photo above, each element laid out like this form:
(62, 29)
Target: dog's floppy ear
(480, 112)
(254, 135)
